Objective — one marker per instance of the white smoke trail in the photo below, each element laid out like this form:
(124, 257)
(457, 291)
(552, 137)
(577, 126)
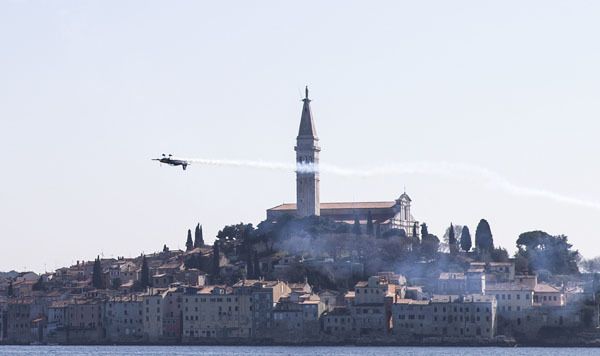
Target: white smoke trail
(444, 169)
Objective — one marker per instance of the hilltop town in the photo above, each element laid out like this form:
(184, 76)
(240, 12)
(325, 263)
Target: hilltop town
(316, 273)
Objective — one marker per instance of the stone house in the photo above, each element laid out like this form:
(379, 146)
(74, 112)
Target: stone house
(152, 314)
(216, 312)
(124, 319)
(469, 316)
(338, 323)
(172, 313)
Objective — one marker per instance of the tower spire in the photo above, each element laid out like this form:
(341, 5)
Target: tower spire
(307, 124)
(307, 152)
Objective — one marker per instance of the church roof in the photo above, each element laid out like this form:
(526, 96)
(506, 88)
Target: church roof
(307, 125)
(342, 205)
(405, 197)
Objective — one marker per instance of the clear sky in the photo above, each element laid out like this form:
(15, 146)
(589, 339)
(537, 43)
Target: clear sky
(90, 91)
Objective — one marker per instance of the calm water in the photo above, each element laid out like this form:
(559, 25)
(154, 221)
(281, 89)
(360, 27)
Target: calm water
(280, 351)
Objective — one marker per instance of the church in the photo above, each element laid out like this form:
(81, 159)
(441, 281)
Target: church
(388, 215)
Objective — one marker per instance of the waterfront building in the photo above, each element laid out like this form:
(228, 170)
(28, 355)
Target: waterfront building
(296, 317)
(371, 305)
(216, 312)
(85, 320)
(124, 319)
(338, 323)
(152, 314)
(469, 316)
(172, 313)
(18, 320)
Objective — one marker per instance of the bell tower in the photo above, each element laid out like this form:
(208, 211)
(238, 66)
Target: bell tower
(307, 163)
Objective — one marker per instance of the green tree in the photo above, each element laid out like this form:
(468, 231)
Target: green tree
(97, 274)
(257, 273)
(465, 239)
(145, 275)
(198, 236)
(165, 248)
(484, 240)
(542, 251)
(415, 232)
(499, 254)
(370, 223)
(395, 233)
(216, 258)
(39, 285)
(452, 242)
(116, 283)
(10, 290)
(356, 228)
(424, 231)
(430, 244)
(189, 244)
(236, 232)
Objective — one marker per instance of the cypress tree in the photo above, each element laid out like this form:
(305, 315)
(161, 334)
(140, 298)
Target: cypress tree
(10, 292)
(415, 235)
(424, 231)
(198, 238)
(39, 285)
(356, 228)
(249, 263)
(189, 244)
(452, 242)
(465, 239)
(145, 275)
(216, 259)
(165, 248)
(97, 274)
(257, 273)
(369, 223)
(484, 240)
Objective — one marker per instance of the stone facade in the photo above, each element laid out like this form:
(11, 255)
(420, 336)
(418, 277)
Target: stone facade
(124, 319)
(307, 159)
(471, 316)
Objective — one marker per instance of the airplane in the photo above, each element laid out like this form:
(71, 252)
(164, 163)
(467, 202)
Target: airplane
(170, 160)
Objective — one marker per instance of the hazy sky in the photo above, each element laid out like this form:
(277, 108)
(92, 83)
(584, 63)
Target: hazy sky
(90, 91)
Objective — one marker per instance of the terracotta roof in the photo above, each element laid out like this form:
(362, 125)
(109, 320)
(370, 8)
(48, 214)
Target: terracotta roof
(545, 288)
(171, 265)
(338, 311)
(310, 301)
(494, 264)
(341, 205)
(450, 275)
(499, 287)
(412, 301)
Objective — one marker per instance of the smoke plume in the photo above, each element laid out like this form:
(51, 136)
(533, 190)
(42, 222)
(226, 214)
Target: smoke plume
(443, 169)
